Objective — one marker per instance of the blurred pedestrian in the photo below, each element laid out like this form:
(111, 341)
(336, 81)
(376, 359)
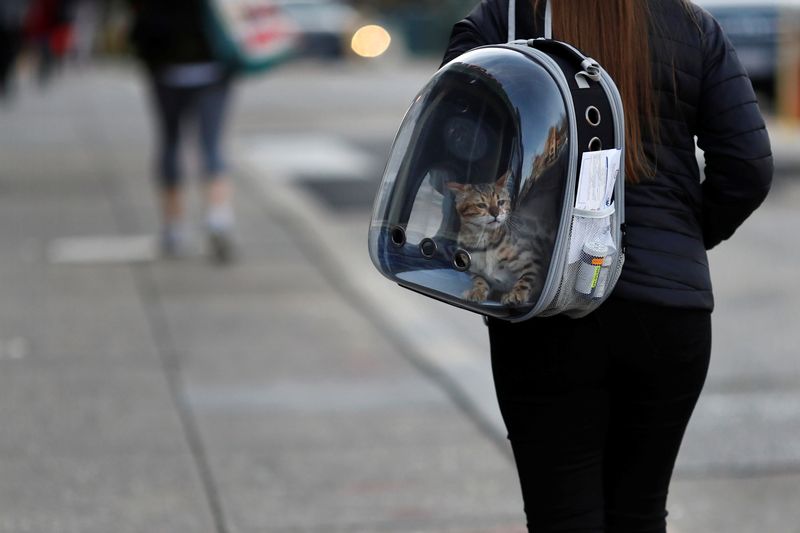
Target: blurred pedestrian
(86, 14)
(13, 14)
(49, 29)
(188, 84)
(596, 407)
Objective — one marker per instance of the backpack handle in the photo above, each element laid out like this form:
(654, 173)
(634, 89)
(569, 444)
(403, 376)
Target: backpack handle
(548, 20)
(512, 21)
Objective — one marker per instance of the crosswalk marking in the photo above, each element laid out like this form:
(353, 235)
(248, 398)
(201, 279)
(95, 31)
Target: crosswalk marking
(102, 249)
(286, 157)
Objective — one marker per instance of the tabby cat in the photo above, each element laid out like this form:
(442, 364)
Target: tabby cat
(503, 261)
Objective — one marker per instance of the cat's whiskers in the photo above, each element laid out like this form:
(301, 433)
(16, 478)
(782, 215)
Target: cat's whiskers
(514, 223)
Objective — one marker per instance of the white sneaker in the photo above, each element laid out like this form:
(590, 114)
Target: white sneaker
(222, 248)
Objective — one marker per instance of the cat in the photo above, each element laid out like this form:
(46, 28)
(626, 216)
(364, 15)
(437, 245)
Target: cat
(502, 259)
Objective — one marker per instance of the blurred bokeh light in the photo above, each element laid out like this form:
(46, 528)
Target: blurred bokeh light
(371, 41)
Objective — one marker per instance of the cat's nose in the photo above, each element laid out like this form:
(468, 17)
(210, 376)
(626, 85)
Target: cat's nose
(494, 211)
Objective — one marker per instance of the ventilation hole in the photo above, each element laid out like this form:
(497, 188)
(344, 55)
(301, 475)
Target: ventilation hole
(398, 236)
(428, 248)
(595, 145)
(462, 260)
(593, 116)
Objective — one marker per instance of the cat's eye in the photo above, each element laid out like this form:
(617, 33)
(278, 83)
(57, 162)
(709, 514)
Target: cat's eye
(482, 206)
(501, 203)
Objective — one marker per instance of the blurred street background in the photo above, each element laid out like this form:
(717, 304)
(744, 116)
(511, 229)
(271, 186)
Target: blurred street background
(296, 390)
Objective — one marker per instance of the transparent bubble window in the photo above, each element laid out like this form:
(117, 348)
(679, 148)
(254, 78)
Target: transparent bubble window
(472, 194)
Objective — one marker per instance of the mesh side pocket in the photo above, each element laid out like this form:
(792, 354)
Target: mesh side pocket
(591, 264)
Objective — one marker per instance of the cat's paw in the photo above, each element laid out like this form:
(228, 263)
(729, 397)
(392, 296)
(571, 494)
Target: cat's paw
(517, 296)
(477, 294)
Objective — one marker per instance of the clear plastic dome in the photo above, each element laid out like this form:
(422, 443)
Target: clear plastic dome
(471, 198)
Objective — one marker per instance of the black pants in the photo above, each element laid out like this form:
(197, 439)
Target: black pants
(10, 45)
(207, 106)
(596, 409)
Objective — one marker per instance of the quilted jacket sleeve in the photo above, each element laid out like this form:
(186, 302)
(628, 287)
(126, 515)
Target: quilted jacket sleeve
(732, 134)
(486, 24)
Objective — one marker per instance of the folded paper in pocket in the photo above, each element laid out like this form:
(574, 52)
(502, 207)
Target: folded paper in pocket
(597, 178)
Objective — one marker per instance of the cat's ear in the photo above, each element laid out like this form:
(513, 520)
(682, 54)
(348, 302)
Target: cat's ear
(456, 186)
(501, 183)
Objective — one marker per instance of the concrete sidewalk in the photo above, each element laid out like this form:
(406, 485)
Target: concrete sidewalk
(179, 397)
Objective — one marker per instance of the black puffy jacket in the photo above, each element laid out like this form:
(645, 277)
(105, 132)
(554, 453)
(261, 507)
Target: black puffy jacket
(170, 33)
(673, 218)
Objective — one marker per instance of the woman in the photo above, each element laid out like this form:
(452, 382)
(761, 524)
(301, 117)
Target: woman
(187, 84)
(596, 409)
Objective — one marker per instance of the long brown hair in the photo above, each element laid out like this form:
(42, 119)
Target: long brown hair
(616, 34)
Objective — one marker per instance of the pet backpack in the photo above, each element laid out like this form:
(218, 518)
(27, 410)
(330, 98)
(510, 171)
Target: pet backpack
(503, 192)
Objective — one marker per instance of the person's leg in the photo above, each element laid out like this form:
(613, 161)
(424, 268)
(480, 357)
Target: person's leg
(550, 381)
(655, 379)
(10, 44)
(6, 59)
(46, 60)
(212, 107)
(170, 106)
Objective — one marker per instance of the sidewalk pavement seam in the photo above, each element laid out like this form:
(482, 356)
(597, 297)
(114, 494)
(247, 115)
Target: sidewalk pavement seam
(170, 361)
(164, 344)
